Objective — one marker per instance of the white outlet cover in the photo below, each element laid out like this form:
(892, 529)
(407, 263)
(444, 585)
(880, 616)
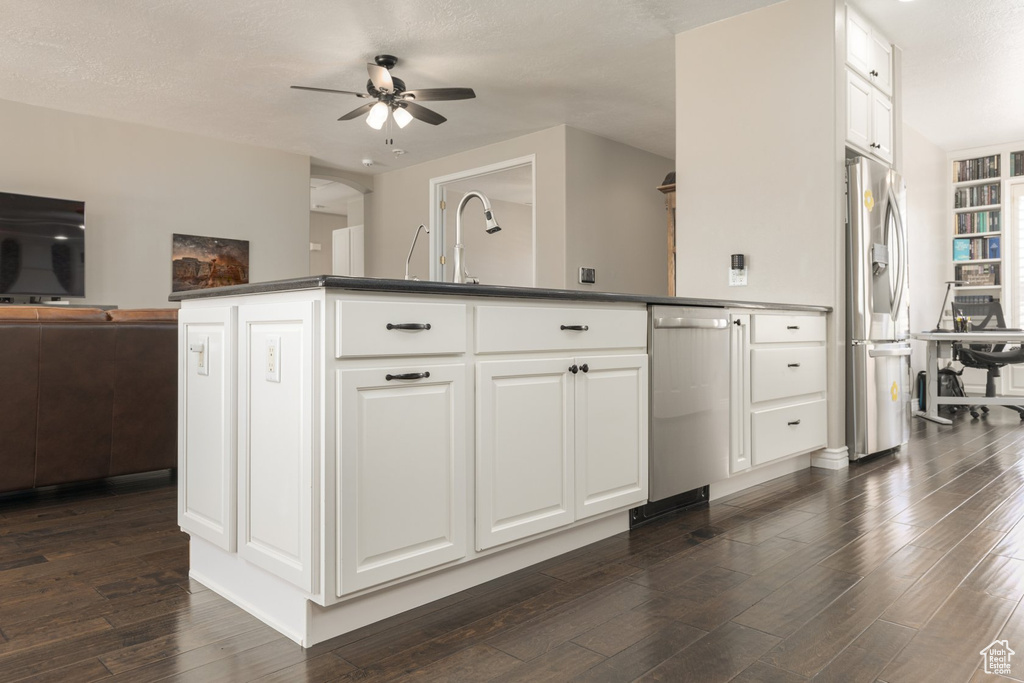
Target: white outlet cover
(272, 359)
(738, 278)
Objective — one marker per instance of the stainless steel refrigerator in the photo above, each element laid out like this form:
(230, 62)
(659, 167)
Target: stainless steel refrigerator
(878, 377)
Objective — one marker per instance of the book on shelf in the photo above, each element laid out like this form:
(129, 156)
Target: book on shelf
(993, 247)
(976, 169)
(976, 195)
(975, 248)
(983, 274)
(961, 250)
(1016, 163)
(970, 222)
(973, 299)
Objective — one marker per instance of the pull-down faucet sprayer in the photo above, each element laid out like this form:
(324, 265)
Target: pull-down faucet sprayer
(459, 265)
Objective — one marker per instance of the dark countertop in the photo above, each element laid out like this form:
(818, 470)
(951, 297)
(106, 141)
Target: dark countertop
(372, 284)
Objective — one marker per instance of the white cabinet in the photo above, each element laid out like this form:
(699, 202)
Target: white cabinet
(869, 118)
(401, 446)
(611, 433)
(778, 387)
(558, 439)
(276, 474)
(206, 428)
(868, 52)
(525, 451)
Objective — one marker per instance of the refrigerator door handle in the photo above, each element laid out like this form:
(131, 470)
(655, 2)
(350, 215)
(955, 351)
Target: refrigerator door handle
(880, 353)
(892, 209)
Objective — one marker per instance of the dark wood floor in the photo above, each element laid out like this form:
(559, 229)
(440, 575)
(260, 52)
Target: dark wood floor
(900, 569)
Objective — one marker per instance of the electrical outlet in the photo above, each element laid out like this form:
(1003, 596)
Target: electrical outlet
(273, 359)
(201, 347)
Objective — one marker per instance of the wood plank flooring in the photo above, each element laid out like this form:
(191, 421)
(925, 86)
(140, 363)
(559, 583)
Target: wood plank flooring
(900, 569)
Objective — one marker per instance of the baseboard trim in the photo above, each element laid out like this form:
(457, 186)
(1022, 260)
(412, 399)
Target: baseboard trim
(831, 458)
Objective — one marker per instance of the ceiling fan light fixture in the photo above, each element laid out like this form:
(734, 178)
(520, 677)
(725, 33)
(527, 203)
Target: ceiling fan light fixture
(402, 117)
(377, 116)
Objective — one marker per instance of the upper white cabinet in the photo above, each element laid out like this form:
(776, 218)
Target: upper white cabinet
(868, 52)
(869, 88)
(869, 118)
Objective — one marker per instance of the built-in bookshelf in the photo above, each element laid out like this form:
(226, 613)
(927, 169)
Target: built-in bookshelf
(977, 222)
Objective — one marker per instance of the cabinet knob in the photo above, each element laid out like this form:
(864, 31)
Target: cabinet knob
(574, 368)
(585, 368)
(874, 73)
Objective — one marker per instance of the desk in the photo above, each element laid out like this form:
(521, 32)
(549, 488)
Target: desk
(935, 339)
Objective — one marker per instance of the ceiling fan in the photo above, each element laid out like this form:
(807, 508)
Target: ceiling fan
(391, 97)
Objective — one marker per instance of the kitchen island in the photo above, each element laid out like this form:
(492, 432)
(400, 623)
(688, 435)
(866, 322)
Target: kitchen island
(351, 448)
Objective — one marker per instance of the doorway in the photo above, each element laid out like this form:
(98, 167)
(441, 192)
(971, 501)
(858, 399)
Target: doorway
(507, 257)
(333, 206)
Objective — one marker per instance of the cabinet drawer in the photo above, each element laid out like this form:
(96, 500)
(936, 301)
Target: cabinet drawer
(788, 371)
(787, 328)
(372, 328)
(503, 329)
(778, 432)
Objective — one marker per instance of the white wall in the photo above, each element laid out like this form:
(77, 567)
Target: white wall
(756, 155)
(401, 200)
(141, 184)
(926, 174)
(321, 227)
(615, 220)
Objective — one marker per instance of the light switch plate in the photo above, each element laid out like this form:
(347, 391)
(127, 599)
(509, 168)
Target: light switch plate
(738, 278)
(273, 358)
(201, 347)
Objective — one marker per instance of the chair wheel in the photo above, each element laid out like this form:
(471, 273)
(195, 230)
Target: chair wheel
(974, 414)
(984, 409)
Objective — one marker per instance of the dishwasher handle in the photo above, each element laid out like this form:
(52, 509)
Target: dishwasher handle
(691, 323)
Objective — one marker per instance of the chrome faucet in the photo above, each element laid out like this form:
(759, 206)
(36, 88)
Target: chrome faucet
(459, 265)
(408, 258)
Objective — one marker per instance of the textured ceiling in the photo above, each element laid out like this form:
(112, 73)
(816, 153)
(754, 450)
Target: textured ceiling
(222, 68)
(963, 61)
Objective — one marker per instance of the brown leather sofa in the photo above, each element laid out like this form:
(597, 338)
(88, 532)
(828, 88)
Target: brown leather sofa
(85, 394)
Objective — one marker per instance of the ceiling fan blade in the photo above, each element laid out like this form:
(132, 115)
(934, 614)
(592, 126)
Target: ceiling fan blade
(423, 114)
(357, 112)
(381, 78)
(426, 94)
(340, 92)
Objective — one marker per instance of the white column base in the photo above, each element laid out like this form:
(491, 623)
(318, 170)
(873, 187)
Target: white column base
(831, 458)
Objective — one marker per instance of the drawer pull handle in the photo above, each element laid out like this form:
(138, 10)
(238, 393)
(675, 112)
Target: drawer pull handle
(793, 423)
(793, 365)
(585, 368)
(574, 368)
(792, 327)
(408, 326)
(576, 328)
(408, 375)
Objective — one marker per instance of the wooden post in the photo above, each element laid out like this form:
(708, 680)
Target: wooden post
(670, 208)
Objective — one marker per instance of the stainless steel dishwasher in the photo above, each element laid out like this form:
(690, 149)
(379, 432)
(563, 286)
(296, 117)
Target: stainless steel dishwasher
(689, 437)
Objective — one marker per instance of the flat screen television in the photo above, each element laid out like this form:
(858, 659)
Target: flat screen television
(42, 246)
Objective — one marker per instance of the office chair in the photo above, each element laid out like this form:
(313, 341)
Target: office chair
(989, 357)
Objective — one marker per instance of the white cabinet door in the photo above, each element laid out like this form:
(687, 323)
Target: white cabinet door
(402, 487)
(277, 386)
(524, 455)
(881, 125)
(206, 424)
(858, 111)
(739, 398)
(880, 62)
(858, 42)
(611, 433)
